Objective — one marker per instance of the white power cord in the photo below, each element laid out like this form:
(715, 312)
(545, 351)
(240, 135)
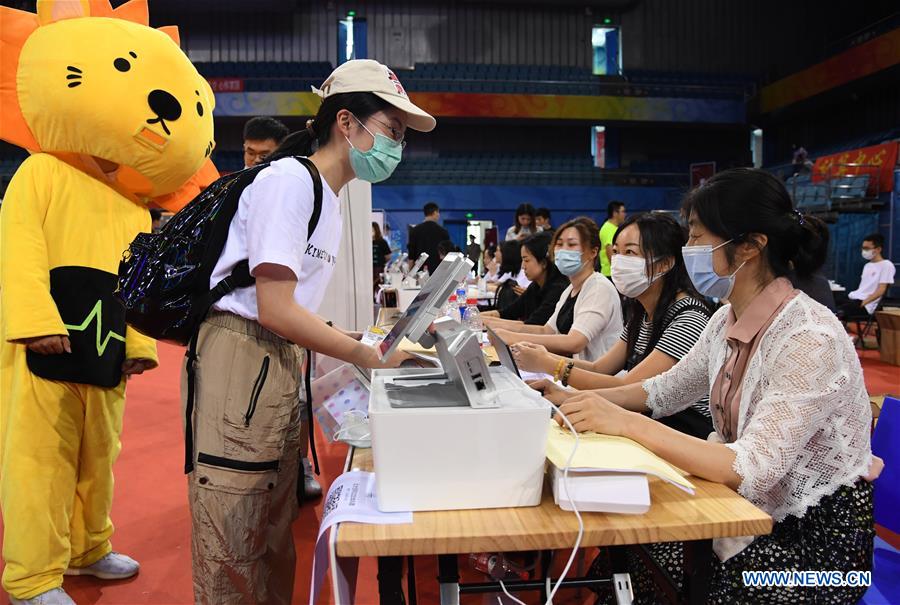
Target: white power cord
(574, 510)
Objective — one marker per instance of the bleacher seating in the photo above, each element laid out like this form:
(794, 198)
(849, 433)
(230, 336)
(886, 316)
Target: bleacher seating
(852, 187)
(269, 76)
(497, 168)
(228, 161)
(660, 166)
(827, 194)
(274, 76)
(646, 76)
(9, 163)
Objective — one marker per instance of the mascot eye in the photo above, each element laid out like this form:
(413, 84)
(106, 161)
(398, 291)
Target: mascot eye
(199, 109)
(121, 64)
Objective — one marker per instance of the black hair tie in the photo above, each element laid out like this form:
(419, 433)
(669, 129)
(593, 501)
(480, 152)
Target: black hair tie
(799, 216)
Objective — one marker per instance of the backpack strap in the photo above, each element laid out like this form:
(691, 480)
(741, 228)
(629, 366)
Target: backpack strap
(240, 275)
(317, 195)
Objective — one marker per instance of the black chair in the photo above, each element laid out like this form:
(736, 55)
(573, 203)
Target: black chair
(864, 325)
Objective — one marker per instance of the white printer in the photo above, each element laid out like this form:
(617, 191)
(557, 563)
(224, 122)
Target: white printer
(460, 437)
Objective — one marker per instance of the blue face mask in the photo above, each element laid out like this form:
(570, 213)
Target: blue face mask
(568, 262)
(378, 163)
(698, 260)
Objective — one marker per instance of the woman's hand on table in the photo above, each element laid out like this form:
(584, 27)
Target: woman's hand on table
(489, 320)
(551, 391)
(508, 336)
(588, 411)
(530, 357)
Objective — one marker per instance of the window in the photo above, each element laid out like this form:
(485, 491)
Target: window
(351, 38)
(756, 147)
(607, 45)
(598, 145)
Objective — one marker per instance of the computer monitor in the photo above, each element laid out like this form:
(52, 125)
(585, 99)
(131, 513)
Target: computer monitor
(419, 262)
(504, 354)
(426, 306)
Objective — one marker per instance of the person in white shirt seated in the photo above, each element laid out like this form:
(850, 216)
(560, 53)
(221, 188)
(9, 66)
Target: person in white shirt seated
(588, 317)
(491, 263)
(510, 267)
(525, 224)
(877, 276)
(787, 397)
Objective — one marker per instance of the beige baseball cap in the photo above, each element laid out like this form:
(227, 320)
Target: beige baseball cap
(366, 75)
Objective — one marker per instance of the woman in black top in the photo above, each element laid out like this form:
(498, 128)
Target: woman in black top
(816, 285)
(381, 253)
(381, 250)
(510, 266)
(536, 304)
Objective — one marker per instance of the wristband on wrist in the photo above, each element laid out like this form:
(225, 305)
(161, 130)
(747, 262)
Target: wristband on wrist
(559, 369)
(566, 372)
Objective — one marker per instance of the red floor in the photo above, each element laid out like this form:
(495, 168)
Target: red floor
(151, 514)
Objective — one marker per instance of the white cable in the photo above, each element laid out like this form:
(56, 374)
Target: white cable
(574, 510)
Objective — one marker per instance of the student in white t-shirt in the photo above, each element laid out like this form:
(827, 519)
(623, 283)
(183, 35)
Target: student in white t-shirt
(877, 277)
(245, 426)
(587, 321)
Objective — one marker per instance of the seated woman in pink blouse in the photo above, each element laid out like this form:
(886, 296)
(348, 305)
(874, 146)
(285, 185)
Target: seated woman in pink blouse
(786, 392)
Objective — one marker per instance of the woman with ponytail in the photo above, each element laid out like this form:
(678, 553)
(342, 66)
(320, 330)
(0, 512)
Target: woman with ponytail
(247, 416)
(787, 398)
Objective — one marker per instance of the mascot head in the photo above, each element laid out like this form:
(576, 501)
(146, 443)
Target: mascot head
(80, 79)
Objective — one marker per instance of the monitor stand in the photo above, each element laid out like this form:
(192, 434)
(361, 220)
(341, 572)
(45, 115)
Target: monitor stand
(465, 381)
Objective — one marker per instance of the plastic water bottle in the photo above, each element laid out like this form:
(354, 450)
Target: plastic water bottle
(473, 318)
(461, 300)
(452, 309)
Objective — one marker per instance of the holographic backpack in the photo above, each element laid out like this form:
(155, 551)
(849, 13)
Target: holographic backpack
(164, 277)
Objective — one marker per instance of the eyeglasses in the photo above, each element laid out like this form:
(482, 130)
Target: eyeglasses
(397, 135)
(254, 154)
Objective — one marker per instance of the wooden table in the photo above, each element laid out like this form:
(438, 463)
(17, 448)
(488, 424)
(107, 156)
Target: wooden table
(715, 511)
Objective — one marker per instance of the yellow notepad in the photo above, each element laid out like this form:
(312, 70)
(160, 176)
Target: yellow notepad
(607, 453)
(407, 346)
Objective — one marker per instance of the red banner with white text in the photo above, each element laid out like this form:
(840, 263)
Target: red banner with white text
(226, 84)
(877, 161)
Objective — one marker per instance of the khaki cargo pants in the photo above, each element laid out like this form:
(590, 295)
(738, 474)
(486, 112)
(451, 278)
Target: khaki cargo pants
(246, 439)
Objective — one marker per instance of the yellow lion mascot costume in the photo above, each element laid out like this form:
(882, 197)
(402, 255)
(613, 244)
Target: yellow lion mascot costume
(115, 117)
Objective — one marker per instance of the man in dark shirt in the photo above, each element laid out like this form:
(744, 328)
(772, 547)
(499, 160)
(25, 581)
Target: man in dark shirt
(426, 236)
(473, 251)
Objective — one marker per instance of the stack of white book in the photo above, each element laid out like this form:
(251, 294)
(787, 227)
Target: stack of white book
(607, 474)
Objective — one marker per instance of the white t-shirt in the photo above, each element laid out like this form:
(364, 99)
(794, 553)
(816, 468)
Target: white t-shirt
(511, 233)
(873, 275)
(270, 227)
(522, 280)
(598, 315)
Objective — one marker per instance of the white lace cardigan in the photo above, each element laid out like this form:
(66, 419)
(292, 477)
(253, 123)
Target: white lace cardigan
(805, 417)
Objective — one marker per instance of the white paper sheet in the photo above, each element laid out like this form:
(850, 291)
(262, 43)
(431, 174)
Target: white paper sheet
(350, 498)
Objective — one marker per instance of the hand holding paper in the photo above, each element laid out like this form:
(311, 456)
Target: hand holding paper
(588, 411)
(608, 453)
